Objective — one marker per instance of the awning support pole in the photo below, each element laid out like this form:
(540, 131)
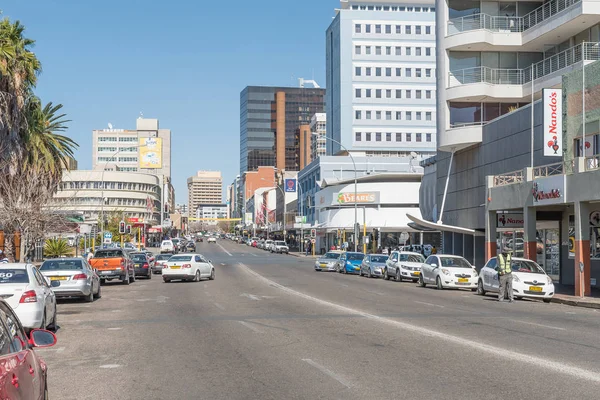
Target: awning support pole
(446, 188)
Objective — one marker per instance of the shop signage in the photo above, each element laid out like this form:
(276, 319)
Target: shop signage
(133, 219)
(290, 185)
(552, 126)
(361, 198)
(509, 220)
(549, 190)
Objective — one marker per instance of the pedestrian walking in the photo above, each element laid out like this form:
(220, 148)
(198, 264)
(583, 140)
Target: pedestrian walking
(505, 275)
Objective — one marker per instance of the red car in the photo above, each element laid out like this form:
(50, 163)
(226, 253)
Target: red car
(22, 372)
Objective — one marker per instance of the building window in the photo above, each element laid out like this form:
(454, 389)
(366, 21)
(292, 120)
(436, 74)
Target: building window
(357, 71)
(398, 29)
(357, 28)
(368, 71)
(428, 72)
(368, 28)
(388, 29)
(408, 73)
(408, 51)
(398, 115)
(378, 93)
(357, 93)
(418, 137)
(398, 137)
(377, 28)
(409, 94)
(417, 72)
(388, 50)
(428, 94)
(388, 115)
(367, 50)
(368, 139)
(417, 51)
(407, 29)
(368, 114)
(398, 71)
(428, 51)
(388, 71)
(428, 116)
(398, 93)
(368, 93)
(418, 30)
(418, 94)
(357, 136)
(417, 9)
(378, 114)
(357, 50)
(409, 115)
(428, 30)
(388, 137)
(378, 136)
(357, 114)
(377, 50)
(409, 137)
(378, 71)
(418, 115)
(398, 50)
(428, 137)
(388, 93)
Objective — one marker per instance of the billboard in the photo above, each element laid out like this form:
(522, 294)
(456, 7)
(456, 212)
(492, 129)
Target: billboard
(361, 198)
(150, 153)
(290, 185)
(552, 125)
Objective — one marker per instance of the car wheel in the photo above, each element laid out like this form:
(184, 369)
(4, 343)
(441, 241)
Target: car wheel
(99, 293)
(385, 275)
(480, 289)
(212, 274)
(90, 297)
(398, 276)
(197, 277)
(53, 326)
(415, 280)
(438, 283)
(421, 281)
(166, 280)
(369, 274)
(547, 300)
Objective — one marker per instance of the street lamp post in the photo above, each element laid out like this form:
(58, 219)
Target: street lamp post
(355, 189)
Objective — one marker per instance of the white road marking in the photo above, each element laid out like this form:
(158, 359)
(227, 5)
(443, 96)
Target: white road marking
(108, 366)
(220, 307)
(251, 327)
(540, 325)
(544, 363)
(343, 284)
(222, 263)
(428, 304)
(374, 292)
(254, 255)
(327, 372)
(162, 299)
(223, 248)
(250, 296)
(116, 310)
(570, 312)
(114, 329)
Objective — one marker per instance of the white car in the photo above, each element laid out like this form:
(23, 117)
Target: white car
(212, 239)
(29, 294)
(188, 267)
(279, 246)
(167, 246)
(448, 271)
(268, 244)
(77, 278)
(403, 265)
(529, 280)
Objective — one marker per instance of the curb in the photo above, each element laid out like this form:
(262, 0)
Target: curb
(576, 303)
(302, 256)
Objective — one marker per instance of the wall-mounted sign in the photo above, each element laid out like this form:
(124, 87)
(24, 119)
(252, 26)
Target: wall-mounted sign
(549, 190)
(510, 220)
(552, 125)
(361, 198)
(150, 153)
(595, 218)
(290, 185)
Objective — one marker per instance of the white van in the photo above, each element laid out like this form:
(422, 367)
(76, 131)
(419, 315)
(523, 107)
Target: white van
(167, 246)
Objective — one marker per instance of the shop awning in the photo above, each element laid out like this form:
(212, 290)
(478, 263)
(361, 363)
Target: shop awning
(442, 227)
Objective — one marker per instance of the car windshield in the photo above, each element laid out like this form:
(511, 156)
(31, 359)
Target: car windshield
(53, 265)
(334, 256)
(167, 243)
(526, 266)
(108, 253)
(138, 257)
(162, 257)
(455, 262)
(355, 256)
(280, 243)
(379, 259)
(412, 258)
(13, 275)
(180, 258)
(175, 241)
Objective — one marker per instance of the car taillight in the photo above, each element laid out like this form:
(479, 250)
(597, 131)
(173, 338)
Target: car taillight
(122, 261)
(29, 297)
(186, 266)
(79, 276)
(146, 265)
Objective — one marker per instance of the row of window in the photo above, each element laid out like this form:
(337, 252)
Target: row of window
(387, 71)
(141, 187)
(121, 139)
(393, 50)
(379, 136)
(408, 115)
(392, 8)
(392, 94)
(114, 149)
(108, 202)
(128, 159)
(387, 29)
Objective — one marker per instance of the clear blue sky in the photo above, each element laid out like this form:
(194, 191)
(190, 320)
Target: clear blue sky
(181, 61)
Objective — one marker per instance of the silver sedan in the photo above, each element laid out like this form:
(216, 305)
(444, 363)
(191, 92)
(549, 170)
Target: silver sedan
(373, 265)
(77, 278)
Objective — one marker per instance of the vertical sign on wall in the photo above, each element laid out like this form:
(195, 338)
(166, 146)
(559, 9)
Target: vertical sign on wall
(552, 125)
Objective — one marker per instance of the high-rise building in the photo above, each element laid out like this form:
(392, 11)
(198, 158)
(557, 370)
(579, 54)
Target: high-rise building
(381, 77)
(270, 118)
(318, 128)
(206, 187)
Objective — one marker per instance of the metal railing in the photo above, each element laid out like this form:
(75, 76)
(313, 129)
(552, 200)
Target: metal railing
(549, 170)
(508, 178)
(592, 163)
(588, 51)
(508, 23)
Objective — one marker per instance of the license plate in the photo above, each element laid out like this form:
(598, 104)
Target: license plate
(535, 288)
(175, 267)
(416, 273)
(106, 272)
(463, 280)
(58, 278)
(323, 265)
(356, 268)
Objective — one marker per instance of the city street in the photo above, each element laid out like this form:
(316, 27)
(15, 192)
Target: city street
(270, 327)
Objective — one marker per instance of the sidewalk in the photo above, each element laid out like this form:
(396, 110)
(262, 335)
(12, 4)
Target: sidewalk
(303, 255)
(564, 295)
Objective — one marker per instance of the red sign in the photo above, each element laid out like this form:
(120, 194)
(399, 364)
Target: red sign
(133, 219)
(154, 230)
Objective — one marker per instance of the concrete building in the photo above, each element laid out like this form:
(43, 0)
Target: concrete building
(318, 128)
(206, 187)
(270, 118)
(381, 76)
(211, 212)
(236, 201)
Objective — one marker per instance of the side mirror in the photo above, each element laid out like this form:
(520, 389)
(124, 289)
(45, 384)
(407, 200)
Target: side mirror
(42, 338)
(496, 269)
(434, 265)
(54, 283)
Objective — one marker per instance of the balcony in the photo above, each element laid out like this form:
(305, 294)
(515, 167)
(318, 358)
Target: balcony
(461, 137)
(530, 32)
(514, 84)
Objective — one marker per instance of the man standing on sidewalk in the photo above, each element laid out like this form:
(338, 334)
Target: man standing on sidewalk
(505, 277)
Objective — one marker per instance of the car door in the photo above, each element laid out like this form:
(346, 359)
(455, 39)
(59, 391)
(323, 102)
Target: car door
(201, 264)
(488, 273)
(93, 276)
(393, 263)
(43, 290)
(427, 269)
(50, 296)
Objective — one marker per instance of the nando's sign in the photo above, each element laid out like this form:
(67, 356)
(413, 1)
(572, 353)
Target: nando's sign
(548, 190)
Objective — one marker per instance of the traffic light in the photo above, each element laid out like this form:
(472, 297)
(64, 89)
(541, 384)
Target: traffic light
(122, 227)
(128, 229)
(376, 233)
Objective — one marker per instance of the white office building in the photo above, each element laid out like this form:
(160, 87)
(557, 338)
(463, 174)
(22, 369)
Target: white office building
(381, 78)
(492, 55)
(210, 213)
(318, 129)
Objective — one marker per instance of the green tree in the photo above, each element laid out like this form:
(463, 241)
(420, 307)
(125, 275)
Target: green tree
(54, 248)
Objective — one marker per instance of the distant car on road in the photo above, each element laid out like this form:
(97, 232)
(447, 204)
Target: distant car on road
(29, 294)
(279, 246)
(529, 280)
(403, 265)
(190, 246)
(167, 246)
(159, 262)
(373, 265)
(188, 267)
(267, 245)
(448, 271)
(349, 262)
(142, 264)
(212, 239)
(77, 278)
(113, 263)
(328, 261)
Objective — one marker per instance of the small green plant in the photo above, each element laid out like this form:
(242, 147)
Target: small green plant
(56, 248)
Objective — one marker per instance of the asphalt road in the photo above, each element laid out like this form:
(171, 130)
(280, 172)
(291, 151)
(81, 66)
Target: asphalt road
(270, 327)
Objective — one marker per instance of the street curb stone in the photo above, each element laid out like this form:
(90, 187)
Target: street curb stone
(576, 303)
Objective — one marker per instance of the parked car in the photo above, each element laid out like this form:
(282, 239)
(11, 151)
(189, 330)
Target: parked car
(448, 271)
(349, 262)
(190, 246)
(77, 278)
(373, 265)
(113, 264)
(212, 239)
(403, 265)
(328, 261)
(142, 265)
(529, 280)
(188, 267)
(268, 244)
(29, 294)
(23, 373)
(167, 246)
(279, 246)
(159, 262)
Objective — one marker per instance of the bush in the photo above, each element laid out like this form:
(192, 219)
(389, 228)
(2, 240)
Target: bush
(54, 248)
